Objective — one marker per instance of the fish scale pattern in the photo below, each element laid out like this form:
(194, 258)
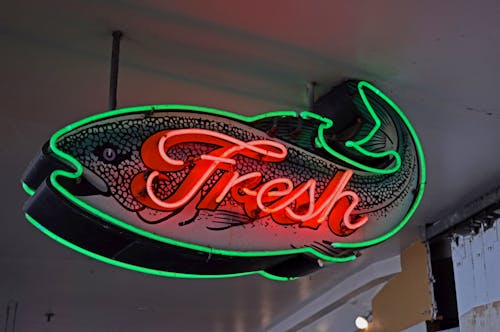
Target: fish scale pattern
(378, 193)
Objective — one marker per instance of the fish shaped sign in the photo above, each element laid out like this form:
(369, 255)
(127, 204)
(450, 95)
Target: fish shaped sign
(187, 191)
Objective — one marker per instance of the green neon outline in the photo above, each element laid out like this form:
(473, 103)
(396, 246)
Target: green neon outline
(27, 189)
(327, 123)
(79, 171)
(357, 144)
(136, 268)
(421, 185)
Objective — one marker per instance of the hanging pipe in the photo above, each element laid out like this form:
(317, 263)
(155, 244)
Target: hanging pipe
(115, 59)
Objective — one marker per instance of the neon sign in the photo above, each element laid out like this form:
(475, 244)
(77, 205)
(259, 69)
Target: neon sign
(187, 191)
(277, 197)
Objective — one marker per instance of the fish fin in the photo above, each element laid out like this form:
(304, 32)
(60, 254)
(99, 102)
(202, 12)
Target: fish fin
(356, 129)
(183, 216)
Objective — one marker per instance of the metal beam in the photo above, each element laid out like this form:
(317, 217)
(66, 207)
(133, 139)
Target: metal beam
(462, 214)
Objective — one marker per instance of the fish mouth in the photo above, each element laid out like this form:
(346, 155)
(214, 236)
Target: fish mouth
(45, 163)
(88, 184)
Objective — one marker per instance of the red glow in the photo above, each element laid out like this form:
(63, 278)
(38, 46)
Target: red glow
(278, 198)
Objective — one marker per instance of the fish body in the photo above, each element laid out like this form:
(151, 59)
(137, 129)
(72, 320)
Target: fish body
(257, 193)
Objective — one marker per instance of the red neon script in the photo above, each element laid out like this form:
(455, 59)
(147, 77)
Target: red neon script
(286, 203)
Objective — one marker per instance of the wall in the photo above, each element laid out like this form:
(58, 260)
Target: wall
(406, 300)
(476, 267)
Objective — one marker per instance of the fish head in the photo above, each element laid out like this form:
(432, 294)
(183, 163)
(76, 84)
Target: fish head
(109, 153)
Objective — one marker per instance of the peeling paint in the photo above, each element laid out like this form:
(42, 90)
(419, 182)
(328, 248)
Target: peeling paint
(481, 318)
(476, 269)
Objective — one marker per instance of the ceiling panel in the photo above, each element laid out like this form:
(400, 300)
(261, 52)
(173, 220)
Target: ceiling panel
(437, 60)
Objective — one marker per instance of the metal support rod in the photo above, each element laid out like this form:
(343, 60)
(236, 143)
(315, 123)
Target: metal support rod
(462, 214)
(115, 59)
(10, 317)
(310, 96)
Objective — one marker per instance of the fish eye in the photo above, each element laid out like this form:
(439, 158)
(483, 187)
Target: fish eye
(109, 154)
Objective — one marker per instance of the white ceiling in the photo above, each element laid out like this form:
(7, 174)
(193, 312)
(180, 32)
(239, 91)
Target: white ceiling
(437, 60)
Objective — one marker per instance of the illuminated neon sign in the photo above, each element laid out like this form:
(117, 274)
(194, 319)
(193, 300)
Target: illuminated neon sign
(187, 191)
(278, 197)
